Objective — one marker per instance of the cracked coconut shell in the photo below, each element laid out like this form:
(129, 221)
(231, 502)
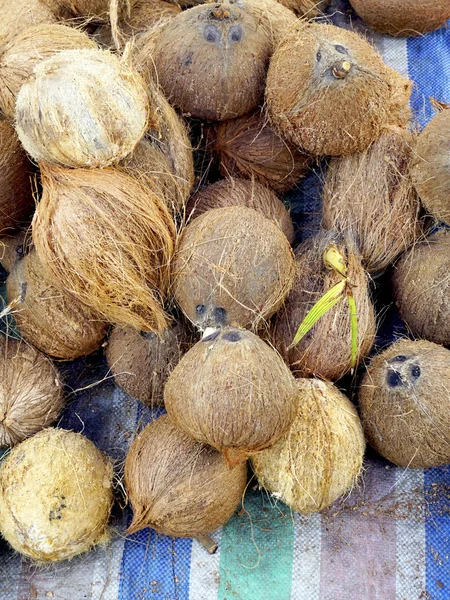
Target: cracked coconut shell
(330, 93)
(232, 266)
(211, 61)
(178, 486)
(31, 392)
(20, 14)
(55, 496)
(233, 392)
(326, 351)
(404, 404)
(82, 108)
(320, 457)
(369, 196)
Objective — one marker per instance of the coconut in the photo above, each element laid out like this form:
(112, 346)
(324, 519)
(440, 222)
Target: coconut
(248, 147)
(408, 17)
(239, 192)
(49, 318)
(93, 9)
(320, 457)
(370, 197)
(142, 362)
(326, 351)
(20, 14)
(82, 108)
(233, 266)
(233, 392)
(106, 240)
(178, 486)
(26, 50)
(12, 249)
(404, 404)
(211, 61)
(31, 392)
(16, 196)
(420, 285)
(306, 8)
(329, 92)
(431, 166)
(55, 496)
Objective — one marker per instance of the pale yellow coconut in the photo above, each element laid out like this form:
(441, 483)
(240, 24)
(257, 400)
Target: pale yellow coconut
(20, 14)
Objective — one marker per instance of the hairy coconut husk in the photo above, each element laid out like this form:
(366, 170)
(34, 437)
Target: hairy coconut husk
(48, 317)
(240, 192)
(13, 249)
(248, 147)
(20, 14)
(211, 61)
(82, 108)
(233, 392)
(142, 362)
(320, 457)
(94, 9)
(106, 240)
(369, 196)
(178, 486)
(421, 288)
(55, 496)
(232, 266)
(306, 8)
(326, 351)
(404, 404)
(329, 92)
(405, 18)
(26, 50)
(16, 194)
(431, 166)
(31, 392)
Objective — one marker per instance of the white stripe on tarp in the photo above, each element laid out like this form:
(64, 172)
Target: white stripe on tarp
(307, 554)
(411, 559)
(204, 571)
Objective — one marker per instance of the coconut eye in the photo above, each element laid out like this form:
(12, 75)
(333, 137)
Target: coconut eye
(200, 309)
(400, 358)
(416, 371)
(232, 336)
(394, 379)
(148, 335)
(319, 56)
(235, 34)
(212, 34)
(341, 49)
(220, 315)
(20, 251)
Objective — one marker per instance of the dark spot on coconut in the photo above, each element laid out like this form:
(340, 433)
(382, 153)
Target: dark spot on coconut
(235, 33)
(394, 379)
(211, 34)
(20, 251)
(220, 315)
(400, 358)
(416, 371)
(341, 49)
(232, 336)
(319, 56)
(188, 60)
(212, 336)
(200, 309)
(148, 335)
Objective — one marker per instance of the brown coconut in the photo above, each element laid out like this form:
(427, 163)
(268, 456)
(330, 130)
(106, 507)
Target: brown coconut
(26, 50)
(211, 61)
(329, 92)
(48, 317)
(233, 392)
(31, 392)
(248, 147)
(405, 18)
(369, 196)
(421, 288)
(306, 8)
(142, 362)
(431, 166)
(20, 14)
(320, 457)
(404, 404)
(106, 240)
(233, 266)
(55, 496)
(240, 192)
(178, 486)
(13, 249)
(326, 351)
(82, 108)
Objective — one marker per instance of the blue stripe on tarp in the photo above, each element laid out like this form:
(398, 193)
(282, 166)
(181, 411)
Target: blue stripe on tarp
(154, 566)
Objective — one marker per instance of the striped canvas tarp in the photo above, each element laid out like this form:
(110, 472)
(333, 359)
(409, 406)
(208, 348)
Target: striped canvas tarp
(388, 540)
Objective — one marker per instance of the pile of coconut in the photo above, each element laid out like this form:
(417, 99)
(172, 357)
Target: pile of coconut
(144, 149)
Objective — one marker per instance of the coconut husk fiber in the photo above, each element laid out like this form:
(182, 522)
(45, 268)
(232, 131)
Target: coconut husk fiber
(320, 457)
(306, 8)
(248, 147)
(178, 486)
(31, 46)
(330, 93)
(369, 196)
(240, 192)
(20, 14)
(107, 241)
(13, 249)
(421, 288)
(82, 108)
(253, 400)
(326, 351)
(405, 18)
(404, 404)
(55, 496)
(31, 392)
(16, 172)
